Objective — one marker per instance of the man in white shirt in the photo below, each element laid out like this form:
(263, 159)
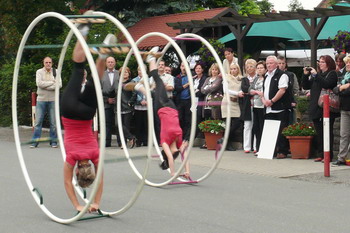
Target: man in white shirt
(46, 83)
(277, 101)
(167, 79)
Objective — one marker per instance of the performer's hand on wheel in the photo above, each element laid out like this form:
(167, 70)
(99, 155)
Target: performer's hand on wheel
(93, 207)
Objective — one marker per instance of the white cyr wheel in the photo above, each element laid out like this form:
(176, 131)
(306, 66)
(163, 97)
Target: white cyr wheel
(37, 196)
(193, 108)
(227, 100)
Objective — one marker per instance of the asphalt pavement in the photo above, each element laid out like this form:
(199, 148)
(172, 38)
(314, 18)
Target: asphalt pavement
(244, 194)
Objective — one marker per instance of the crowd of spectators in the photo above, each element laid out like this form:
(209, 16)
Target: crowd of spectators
(262, 90)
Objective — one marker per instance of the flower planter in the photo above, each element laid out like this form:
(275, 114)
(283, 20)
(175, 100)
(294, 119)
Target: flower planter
(300, 146)
(211, 139)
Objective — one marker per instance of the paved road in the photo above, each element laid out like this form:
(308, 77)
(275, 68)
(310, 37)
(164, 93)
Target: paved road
(236, 198)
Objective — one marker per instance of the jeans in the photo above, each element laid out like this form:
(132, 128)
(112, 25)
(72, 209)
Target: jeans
(41, 108)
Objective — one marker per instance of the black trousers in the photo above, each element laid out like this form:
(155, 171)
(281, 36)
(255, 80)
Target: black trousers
(185, 116)
(282, 142)
(76, 105)
(109, 114)
(141, 125)
(258, 125)
(126, 119)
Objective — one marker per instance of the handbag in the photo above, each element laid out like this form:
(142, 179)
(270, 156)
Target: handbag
(333, 100)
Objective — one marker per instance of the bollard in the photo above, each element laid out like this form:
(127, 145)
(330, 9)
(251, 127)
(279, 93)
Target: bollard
(33, 108)
(326, 133)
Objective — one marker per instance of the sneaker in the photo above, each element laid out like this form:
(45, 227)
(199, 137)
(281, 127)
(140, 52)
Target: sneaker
(83, 29)
(110, 39)
(281, 156)
(150, 56)
(89, 12)
(54, 145)
(33, 145)
(104, 52)
(339, 163)
(230, 148)
(164, 165)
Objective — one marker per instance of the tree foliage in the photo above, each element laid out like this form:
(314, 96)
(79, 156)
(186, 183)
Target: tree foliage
(17, 15)
(207, 58)
(295, 5)
(265, 6)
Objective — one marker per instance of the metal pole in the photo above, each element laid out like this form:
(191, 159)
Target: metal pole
(33, 108)
(326, 139)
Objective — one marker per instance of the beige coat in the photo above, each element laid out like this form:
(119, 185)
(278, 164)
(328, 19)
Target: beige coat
(234, 84)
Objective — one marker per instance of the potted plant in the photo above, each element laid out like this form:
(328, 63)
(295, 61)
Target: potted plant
(300, 136)
(213, 130)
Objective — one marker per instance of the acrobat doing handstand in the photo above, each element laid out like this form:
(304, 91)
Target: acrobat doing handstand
(170, 132)
(78, 107)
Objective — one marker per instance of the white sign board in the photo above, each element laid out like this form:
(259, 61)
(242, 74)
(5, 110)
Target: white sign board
(268, 139)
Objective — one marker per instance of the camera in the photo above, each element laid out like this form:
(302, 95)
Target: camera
(308, 69)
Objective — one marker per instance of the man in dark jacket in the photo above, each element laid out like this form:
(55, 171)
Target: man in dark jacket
(109, 84)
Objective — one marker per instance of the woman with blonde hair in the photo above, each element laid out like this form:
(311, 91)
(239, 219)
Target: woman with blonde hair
(247, 110)
(212, 88)
(234, 91)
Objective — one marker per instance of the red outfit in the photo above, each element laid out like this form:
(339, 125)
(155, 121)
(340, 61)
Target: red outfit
(79, 141)
(170, 129)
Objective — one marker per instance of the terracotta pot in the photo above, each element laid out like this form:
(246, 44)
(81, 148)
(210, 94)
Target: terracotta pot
(211, 139)
(300, 146)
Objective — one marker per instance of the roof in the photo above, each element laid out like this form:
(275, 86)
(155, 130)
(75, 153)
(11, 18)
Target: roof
(159, 24)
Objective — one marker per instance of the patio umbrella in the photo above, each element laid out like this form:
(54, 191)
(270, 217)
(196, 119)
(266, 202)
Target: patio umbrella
(288, 29)
(294, 31)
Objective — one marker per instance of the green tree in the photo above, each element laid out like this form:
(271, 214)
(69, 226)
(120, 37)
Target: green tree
(207, 58)
(17, 15)
(295, 5)
(265, 6)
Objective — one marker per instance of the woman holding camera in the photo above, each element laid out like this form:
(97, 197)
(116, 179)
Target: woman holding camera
(325, 77)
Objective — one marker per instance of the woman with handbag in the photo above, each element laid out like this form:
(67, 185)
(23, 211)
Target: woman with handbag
(343, 90)
(234, 92)
(324, 78)
(212, 88)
